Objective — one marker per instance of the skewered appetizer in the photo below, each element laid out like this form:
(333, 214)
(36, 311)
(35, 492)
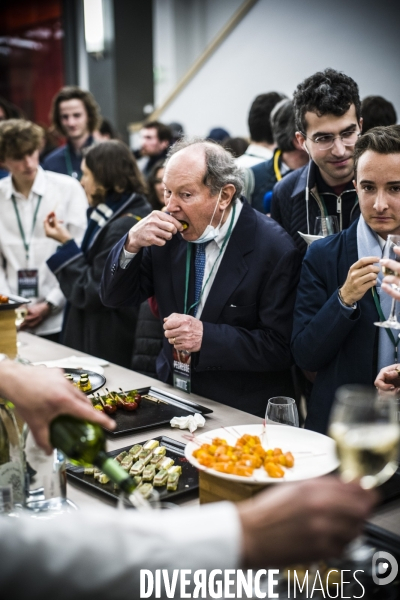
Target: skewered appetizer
(173, 478)
(145, 489)
(128, 401)
(243, 458)
(135, 451)
(148, 465)
(161, 478)
(84, 383)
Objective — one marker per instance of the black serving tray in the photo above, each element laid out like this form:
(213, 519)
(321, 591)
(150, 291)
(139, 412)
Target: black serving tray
(14, 302)
(97, 381)
(188, 481)
(149, 414)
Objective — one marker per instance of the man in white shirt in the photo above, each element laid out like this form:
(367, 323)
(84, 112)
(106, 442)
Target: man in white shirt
(27, 195)
(262, 141)
(100, 554)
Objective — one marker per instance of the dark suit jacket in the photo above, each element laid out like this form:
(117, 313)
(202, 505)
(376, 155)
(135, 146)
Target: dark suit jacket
(245, 354)
(340, 344)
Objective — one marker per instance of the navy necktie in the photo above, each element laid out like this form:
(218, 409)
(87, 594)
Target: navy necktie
(199, 266)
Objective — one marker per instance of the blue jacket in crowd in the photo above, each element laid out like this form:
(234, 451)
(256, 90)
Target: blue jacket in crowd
(340, 344)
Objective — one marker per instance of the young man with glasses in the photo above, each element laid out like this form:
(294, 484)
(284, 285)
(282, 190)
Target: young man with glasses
(327, 112)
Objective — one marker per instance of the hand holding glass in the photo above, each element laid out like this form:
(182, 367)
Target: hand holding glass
(392, 242)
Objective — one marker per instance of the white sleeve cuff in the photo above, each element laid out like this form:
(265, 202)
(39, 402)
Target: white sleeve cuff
(56, 297)
(125, 258)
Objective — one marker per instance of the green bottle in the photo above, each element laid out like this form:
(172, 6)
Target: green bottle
(84, 443)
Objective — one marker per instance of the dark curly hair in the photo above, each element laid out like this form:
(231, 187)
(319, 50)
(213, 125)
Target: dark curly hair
(114, 168)
(382, 140)
(325, 92)
(73, 92)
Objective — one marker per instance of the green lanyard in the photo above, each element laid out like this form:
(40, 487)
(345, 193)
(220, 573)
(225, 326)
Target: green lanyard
(21, 229)
(188, 260)
(68, 160)
(382, 318)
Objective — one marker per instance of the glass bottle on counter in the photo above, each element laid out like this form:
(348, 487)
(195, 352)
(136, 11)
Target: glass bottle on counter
(12, 463)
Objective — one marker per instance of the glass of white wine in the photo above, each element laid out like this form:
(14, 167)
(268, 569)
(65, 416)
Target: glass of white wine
(366, 430)
(388, 252)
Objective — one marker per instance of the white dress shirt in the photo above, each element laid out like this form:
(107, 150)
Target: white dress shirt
(213, 255)
(99, 554)
(254, 155)
(61, 194)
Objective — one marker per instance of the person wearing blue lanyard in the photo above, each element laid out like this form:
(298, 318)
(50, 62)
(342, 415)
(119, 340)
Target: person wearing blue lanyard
(224, 278)
(340, 295)
(75, 115)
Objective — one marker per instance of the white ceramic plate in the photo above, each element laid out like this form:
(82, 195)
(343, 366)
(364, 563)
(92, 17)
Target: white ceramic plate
(314, 453)
(309, 239)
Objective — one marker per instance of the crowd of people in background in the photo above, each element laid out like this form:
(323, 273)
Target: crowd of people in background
(64, 207)
(199, 246)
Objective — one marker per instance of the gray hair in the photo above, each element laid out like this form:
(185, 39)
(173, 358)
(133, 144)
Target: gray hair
(283, 125)
(221, 168)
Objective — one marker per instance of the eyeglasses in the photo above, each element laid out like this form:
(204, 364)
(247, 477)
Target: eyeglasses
(348, 138)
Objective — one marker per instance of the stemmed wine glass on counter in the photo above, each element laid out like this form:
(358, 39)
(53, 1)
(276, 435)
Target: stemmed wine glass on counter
(388, 252)
(282, 410)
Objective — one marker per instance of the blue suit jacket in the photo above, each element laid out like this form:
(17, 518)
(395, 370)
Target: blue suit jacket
(341, 346)
(247, 318)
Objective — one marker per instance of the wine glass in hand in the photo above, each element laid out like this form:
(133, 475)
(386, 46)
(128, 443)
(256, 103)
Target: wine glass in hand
(391, 242)
(366, 430)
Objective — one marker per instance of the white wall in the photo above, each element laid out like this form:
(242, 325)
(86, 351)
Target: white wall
(182, 30)
(277, 45)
